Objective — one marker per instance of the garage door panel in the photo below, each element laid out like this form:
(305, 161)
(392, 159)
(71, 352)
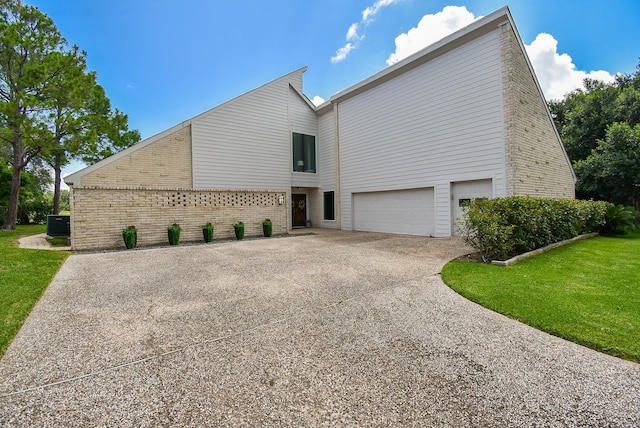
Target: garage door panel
(408, 212)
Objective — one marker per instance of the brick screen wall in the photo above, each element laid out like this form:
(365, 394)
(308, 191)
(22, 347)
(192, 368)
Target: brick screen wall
(151, 188)
(99, 214)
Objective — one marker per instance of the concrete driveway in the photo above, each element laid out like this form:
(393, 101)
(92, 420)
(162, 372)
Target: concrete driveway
(336, 329)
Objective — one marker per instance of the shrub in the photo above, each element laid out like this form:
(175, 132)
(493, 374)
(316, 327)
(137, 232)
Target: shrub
(591, 215)
(35, 210)
(619, 220)
(501, 228)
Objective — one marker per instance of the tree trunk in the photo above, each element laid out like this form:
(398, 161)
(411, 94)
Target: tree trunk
(57, 167)
(11, 216)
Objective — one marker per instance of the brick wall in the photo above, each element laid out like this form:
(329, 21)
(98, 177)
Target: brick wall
(536, 164)
(163, 163)
(151, 189)
(99, 214)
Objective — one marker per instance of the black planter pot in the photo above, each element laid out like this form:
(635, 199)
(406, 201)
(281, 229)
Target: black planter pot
(207, 235)
(239, 231)
(132, 243)
(267, 230)
(174, 238)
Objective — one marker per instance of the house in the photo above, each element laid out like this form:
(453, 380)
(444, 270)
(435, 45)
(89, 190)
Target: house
(399, 152)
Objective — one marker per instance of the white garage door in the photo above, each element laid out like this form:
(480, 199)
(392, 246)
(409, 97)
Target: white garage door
(408, 212)
(464, 191)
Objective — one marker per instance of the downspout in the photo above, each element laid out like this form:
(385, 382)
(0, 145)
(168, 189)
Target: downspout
(336, 138)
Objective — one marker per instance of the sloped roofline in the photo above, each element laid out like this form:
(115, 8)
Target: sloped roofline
(458, 38)
(304, 98)
(76, 176)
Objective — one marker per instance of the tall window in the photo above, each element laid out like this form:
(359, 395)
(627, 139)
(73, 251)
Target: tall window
(329, 206)
(304, 153)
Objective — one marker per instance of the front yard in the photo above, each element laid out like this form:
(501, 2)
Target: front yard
(587, 292)
(24, 275)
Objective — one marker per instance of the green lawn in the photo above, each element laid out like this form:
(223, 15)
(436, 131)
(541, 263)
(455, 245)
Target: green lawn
(24, 275)
(587, 292)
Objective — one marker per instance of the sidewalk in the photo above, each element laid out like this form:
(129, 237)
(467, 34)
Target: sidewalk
(39, 242)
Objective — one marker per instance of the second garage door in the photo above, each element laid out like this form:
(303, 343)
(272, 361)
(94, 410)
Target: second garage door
(409, 211)
(465, 191)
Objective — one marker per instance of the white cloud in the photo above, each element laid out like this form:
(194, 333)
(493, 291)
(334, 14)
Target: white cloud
(317, 100)
(369, 13)
(556, 72)
(342, 53)
(430, 29)
(352, 34)
(353, 37)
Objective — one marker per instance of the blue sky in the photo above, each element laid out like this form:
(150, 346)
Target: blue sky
(162, 62)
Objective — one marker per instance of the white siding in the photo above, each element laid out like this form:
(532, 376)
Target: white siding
(327, 150)
(303, 120)
(327, 159)
(246, 143)
(440, 122)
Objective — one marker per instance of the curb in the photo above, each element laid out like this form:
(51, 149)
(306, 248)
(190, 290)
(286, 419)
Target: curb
(541, 250)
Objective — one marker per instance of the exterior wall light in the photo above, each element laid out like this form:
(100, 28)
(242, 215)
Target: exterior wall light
(280, 200)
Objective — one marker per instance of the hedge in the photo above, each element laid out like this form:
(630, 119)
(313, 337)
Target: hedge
(501, 228)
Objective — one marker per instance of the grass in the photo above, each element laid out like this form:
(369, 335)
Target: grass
(587, 292)
(24, 275)
(58, 242)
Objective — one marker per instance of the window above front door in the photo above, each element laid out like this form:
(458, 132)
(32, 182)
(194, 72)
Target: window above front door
(304, 153)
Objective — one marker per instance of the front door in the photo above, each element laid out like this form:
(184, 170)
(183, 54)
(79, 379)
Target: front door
(299, 210)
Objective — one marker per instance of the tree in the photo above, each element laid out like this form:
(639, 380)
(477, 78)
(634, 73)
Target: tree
(583, 116)
(35, 182)
(28, 40)
(51, 107)
(80, 121)
(612, 170)
(585, 120)
(64, 200)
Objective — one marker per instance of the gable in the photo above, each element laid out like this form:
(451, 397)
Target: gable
(535, 158)
(293, 79)
(245, 143)
(158, 163)
(302, 116)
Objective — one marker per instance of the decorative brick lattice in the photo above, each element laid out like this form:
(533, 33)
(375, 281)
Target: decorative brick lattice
(196, 199)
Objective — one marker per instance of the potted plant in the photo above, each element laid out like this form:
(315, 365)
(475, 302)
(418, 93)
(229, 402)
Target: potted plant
(130, 236)
(207, 232)
(267, 227)
(239, 229)
(173, 232)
